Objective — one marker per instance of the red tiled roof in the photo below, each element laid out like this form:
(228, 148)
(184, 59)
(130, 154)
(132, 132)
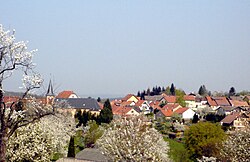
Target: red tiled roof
(65, 94)
(221, 101)
(122, 110)
(155, 105)
(230, 118)
(181, 110)
(238, 103)
(10, 99)
(170, 99)
(139, 103)
(126, 103)
(189, 97)
(167, 113)
(210, 101)
(127, 97)
(171, 106)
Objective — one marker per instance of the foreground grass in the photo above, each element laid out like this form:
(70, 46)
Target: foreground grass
(177, 151)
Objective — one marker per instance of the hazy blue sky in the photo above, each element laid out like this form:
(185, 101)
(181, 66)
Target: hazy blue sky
(118, 47)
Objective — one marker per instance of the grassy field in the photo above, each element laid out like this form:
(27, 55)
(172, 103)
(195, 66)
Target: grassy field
(177, 151)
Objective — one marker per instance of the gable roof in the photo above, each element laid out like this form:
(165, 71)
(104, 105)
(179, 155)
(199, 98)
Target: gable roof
(81, 103)
(154, 98)
(171, 106)
(221, 101)
(92, 154)
(127, 97)
(211, 101)
(166, 112)
(189, 97)
(65, 94)
(181, 110)
(230, 118)
(170, 99)
(140, 102)
(238, 103)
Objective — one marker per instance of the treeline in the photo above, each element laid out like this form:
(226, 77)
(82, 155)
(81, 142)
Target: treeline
(157, 90)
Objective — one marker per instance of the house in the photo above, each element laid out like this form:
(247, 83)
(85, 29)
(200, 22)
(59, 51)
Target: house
(127, 103)
(190, 101)
(144, 106)
(125, 111)
(163, 113)
(154, 98)
(236, 120)
(186, 113)
(247, 99)
(200, 103)
(221, 101)
(211, 102)
(155, 105)
(237, 103)
(82, 104)
(67, 94)
(130, 97)
(172, 107)
(226, 110)
(169, 99)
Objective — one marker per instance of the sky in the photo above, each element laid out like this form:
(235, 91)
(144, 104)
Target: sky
(116, 47)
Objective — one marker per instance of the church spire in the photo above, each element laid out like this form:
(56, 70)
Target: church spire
(50, 91)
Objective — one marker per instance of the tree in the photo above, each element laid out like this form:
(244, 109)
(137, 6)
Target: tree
(237, 146)
(172, 90)
(106, 114)
(71, 150)
(202, 90)
(93, 133)
(232, 92)
(98, 99)
(142, 95)
(139, 94)
(195, 118)
(204, 139)
(40, 140)
(15, 56)
(132, 139)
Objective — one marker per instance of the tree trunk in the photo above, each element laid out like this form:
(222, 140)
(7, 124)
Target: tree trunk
(3, 146)
(3, 129)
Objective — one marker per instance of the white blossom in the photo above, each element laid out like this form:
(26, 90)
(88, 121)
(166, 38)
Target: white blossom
(132, 139)
(237, 146)
(38, 141)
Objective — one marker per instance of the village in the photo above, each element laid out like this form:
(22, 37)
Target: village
(168, 110)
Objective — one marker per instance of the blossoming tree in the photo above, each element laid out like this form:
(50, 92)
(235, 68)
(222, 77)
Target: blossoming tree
(37, 142)
(237, 146)
(133, 140)
(15, 56)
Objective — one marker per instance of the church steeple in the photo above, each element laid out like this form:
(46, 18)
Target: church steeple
(50, 94)
(50, 91)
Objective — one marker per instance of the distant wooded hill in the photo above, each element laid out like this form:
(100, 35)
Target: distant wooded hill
(19, 94)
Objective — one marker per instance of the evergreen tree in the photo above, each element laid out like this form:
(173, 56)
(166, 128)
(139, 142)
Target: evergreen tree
(163, 89)
(148, 91)
(71, 149)
(172, 90)
(159, 90)
(202, 90)
(106, 114)
(98, 99)
(139, 94)
(195, 118)
(232, 91)
(142, 96)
